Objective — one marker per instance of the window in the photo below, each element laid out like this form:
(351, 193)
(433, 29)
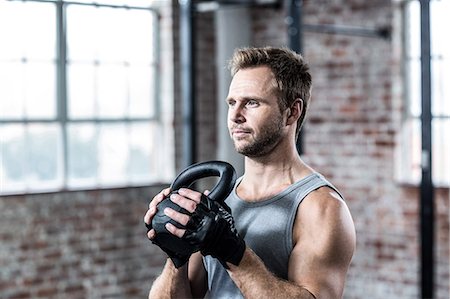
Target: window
(440, 73)
(79, 96)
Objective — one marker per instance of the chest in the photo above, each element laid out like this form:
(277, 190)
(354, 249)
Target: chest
(267, 230)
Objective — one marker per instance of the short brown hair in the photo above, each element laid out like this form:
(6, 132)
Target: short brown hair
(289, 68)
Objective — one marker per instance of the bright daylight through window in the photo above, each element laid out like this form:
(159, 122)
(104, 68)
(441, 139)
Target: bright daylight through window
(79, 95)
(410, 170)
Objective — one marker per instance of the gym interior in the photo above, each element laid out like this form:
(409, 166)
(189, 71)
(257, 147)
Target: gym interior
(103, 102)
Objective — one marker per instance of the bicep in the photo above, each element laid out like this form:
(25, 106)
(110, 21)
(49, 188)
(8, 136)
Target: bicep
(197, 276)
(325, 242)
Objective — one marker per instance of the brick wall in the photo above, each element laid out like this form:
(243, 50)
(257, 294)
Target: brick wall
(77, 245)
(351, 137)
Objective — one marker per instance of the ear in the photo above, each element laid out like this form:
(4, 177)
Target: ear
(294, 111)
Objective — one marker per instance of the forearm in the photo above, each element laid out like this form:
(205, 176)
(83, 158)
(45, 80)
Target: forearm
(172, 283)
(255, 280)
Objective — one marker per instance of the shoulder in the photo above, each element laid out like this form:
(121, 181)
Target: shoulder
(324, 242)
(323, 201)
(323, 218)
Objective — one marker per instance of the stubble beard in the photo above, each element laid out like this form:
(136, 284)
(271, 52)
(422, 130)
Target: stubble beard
(263, 144)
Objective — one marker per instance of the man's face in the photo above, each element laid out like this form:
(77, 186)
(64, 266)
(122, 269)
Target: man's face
(255, 122)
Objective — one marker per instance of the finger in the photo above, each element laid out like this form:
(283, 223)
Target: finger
(181, 218)
(191, 194)
(156, 200)
(185, 203)
(159, 197)
(175, 230)
(206, 192)
(151, 234)
(149, 215)
(166, 191)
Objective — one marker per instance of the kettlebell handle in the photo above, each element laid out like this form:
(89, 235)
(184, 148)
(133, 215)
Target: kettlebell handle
(201, 170)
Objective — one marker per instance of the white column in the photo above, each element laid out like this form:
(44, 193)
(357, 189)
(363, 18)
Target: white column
(232, 31)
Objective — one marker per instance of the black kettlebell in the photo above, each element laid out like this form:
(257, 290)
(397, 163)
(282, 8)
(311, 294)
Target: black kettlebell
(227, 179)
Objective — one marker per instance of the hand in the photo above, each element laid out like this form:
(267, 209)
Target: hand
(148, 217)
(210, 228)
(187, 199)
(178, 259)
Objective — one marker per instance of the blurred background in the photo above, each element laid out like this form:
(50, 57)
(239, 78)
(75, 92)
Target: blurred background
(103, 102)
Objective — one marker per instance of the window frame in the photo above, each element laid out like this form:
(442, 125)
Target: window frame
(61, 118)
(405, 153)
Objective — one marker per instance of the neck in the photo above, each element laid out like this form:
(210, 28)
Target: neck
(270, 174)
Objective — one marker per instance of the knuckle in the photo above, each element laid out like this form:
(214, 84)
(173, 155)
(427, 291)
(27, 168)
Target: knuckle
(181, 218)
(151, 234)
(185, 219)
(169, 212)
(198, 197)
(156, 200)
(175, 198)
(192, 206)
(170, 228)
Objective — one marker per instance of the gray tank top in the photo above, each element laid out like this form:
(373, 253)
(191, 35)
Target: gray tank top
(266, 227)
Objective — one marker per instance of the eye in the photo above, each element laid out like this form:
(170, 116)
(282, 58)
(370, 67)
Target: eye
(231, 102)
(252, 103)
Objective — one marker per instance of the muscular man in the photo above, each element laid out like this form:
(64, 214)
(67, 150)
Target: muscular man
(298, 232)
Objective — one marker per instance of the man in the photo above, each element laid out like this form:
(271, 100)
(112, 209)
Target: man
(298, 232)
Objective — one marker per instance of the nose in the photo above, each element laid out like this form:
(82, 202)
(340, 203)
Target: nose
(235, 114)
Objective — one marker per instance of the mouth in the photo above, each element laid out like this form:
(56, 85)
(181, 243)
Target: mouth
(238, 132)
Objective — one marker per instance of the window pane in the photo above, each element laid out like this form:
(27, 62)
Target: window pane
(112, 154)
(119, 46)
(27, 59)
(441, 152)
(138, 46)
(163, 164)
(414, 88)
(110, 34)
(413, 66)
(440, 88)
(440, 49)
(12, 93)
(13, 153)
(141, 90)
(413, 32)
(40, 22)
(82, 155)
(141, 145)
(12, 41)
(44, 163)
(81, 90)
(28, 90)
(411, 155)
(40, 89)
(440, 43)
(31, 157)
(81, 33)
(111, 93)
(27, 29)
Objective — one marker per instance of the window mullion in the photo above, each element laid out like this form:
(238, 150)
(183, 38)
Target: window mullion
(62, 84)
(156, 67)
